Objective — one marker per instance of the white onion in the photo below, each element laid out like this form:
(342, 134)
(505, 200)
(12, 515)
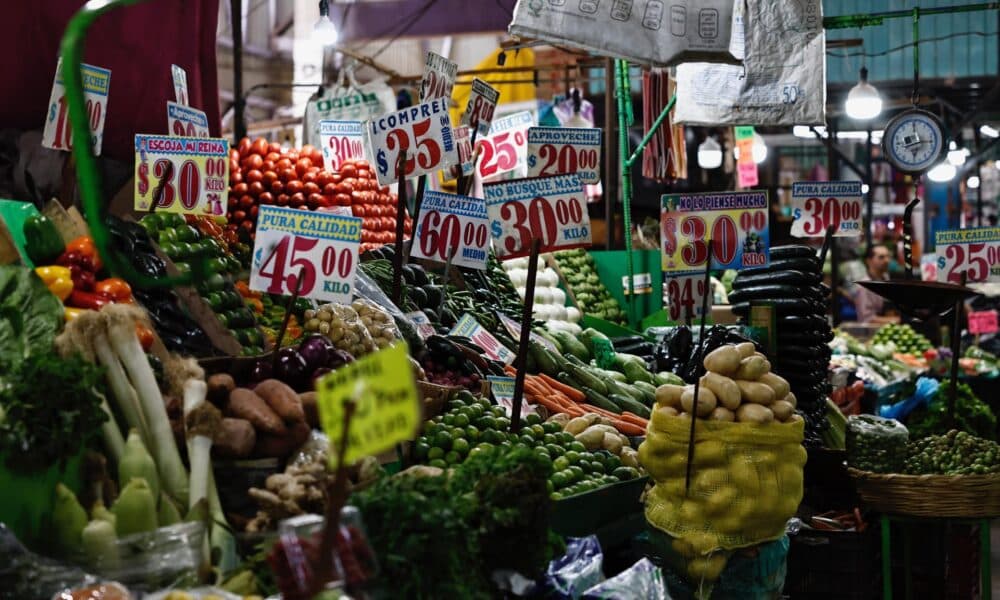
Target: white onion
(543, 295)
(558, 311)
(573, 314)
(521, 292)
(558, 296)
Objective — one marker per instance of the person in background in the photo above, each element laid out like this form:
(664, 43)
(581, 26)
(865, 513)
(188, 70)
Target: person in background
(870, 307)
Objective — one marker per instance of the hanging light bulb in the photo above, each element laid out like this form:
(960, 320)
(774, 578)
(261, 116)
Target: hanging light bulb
(863, 101)
(943, 172)
(759, 149)
(956, 155)
(324, 31)
(973, 182)
(709, 154)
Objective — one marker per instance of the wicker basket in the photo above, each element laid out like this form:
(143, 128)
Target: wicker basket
(968, 496)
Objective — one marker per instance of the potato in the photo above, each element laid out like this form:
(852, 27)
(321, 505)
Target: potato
(560, 418)
(725, 389)
(310, 407)
(612, 443)
(706, 401)
(235, 438)
(795, 418)
(220, 386)
(751, 368)
(591, 438)
(754, 413)
(577, 425)
(245, 404)
(669, 395)
(724, 360)
(282, 399)
(776, 383)
(782, 410)
(280, 446)
(746, 349)
(757, 393)
(670, 411)
(630, 458)
(790, 398)
(721, 413)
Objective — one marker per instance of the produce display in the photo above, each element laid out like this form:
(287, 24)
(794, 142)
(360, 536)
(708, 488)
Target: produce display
(876, 444)
(972, 415)
(954, 453)
(549, 300)
(580, 272)
(903, 339)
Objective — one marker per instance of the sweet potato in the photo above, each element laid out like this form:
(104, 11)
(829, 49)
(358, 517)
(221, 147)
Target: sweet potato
(310, 408)
(235, 438)
(282, 399)
(280, 446)
(220, 386)
(246, 404)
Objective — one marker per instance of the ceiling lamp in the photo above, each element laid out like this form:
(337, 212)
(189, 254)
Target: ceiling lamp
(956, 155)
(759, 150)
(324, 31)
(709, 154)
(863, 102)
(973, 182)
(942, 173)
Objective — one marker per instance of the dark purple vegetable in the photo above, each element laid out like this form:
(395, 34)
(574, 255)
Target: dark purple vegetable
(339, 358)
(316, 350)
(317, 374)
(292, 369)
(261, 371)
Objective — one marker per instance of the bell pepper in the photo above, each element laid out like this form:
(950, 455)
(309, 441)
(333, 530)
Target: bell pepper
(84, 245)
(57, 279)
(70, 313)
(42, 242)
(91, 300)
(145, 335)
(117, 289)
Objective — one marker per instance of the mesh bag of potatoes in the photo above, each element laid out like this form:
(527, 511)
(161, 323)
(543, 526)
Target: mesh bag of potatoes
(342, 324)
(378, 322)
(746, 476)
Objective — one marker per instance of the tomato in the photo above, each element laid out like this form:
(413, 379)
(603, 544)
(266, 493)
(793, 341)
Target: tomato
(294, 186)
(362, 164)
(239, 189)
(302, 165)
(266, 198)
(364, 174)
(282, 164)
(259, 146)
(244, 146)
(247, 225)
(270, 177)
(308, 177)
(336, 178)
(252, 162)
(310, 188)
(239, 215)
(307, 150)
(348, 170)
(314, 200)
(272, 156)
(281, 199)
(292, 155)
(254, 175)
(288, 175)
(253, 212)
(267, 165)
(329, 189)
(274, 148)
(323, 178)
(366, 236)
(297, 199)
(344, 188)
(256, 188)
(277, 187)
(145, 334)
(246, 202)
(342, 200)
(232, 203)
(235, 176)
(234, 165)
(358, 211)
(314, 169)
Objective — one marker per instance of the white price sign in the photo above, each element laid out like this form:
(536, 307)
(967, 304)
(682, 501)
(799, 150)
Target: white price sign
(463, 140)
(179, 75)
(505, 149)
(502, 389)
(439, 77)
(550, 209)
(974, 251)
(482, 104)
(342, 140)
(453, 227)
(817, 205)
(320, 247)
(563, 150)
(192, 174)
(468, 327)
(685, 295)
(185, 121)
(424, 131)
(58, 134)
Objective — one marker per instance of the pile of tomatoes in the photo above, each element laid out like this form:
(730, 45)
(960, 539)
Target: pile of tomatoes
(263, 173)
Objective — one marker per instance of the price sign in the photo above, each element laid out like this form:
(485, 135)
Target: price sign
(818, 205)
(185, 121)
(685, 295)
(454, 227)
(502, 389)
(551, 209)
(479, 111)
(439, 77)
(746, 168)
(58, 134)
(928, 267)
(463, 141)
(321, 247)
(195, 170)
(421, 323)
(180, 78)
(642, 283)
(424, 131)
(973, 251)
(468, 327)
(736, 222)
(505, 149)
(342, 140)
(559, 150)
(983, 322)
(514, 328)
(387, 409)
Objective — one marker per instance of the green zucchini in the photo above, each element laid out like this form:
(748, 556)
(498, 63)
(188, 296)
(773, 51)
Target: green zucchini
(543, 359)
(587, 379)
(631, 405)
(600, 400)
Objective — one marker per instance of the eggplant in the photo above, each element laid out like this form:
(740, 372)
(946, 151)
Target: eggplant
(805, 264)
(779, 277)
(316, 350)
(791, 251)
(783, 306)
(292, 368)
(767, 292)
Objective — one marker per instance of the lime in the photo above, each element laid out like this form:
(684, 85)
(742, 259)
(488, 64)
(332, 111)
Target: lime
(431, 428)
(461, 420)
(565, 438)
(555, 449)
(558, 479)
(437, 462)
(485, 446)
(527, 440)
(453, 458)
(532, 419)
(542, 452)
(537, 431)
(461, 446)
(552, 427)
(555, 496)
(449, 420)
(560, 463)
(420, 450)
(579, 447)
(596, 466)
(442, 439)
(435, 452)
(472, 433)
(548, 438)
(577, 472)
(486, 423)
(549, 486)
(572, 456)
(503, 423)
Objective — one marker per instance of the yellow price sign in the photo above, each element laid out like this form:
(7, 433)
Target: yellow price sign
(387, 407)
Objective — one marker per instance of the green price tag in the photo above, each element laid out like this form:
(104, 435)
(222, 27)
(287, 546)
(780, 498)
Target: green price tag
(604, 353)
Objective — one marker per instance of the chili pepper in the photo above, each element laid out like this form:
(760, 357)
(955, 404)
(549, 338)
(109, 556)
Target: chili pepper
(42, 242)
(59, 280)
(84, 245)
(146, 336)
(82, 279)
(117, 289)
(91, 300)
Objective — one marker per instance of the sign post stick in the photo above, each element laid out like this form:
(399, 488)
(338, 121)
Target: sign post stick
(697, 383)
(397, 258)
(522, 346)
(289, 305)
(956, 349)
(418, 200)
(829, 245)
(336, 498)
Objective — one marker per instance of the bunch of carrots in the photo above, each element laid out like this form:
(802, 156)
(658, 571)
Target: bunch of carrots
(556, 396)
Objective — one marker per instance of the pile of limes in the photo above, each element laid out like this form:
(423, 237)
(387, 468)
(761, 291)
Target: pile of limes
(470, 425)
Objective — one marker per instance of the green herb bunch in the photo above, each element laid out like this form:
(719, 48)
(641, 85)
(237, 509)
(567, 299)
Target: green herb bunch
(972, 415)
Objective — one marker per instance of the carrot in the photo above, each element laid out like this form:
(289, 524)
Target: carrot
(628, 428)
(598, 410)
(572, 393)
(510, 371)
(634, 418)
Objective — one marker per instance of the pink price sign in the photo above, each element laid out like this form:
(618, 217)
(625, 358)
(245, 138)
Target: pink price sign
(983, 322)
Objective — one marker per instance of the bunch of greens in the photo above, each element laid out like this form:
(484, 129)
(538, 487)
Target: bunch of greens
(30, 316)
(50, 408)
(972, 415)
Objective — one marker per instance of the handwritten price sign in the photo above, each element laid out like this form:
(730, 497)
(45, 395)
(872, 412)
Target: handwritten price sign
(179, 75)
(974, 251)
(321, 247)
(818, 205)
(185, 121)
(439, 77)
(463, 142)
(983, 322)
(479, 111)
(469, 327)
(194, 173)
(685, 295)
(424, 131)
(58, 134)
(454, 227)
(736, 222)
(550, 209)
(342, 140)
(505, 149)
(562, 150)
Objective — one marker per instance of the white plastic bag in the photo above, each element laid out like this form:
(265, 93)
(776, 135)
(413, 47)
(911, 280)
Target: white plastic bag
(346, 102)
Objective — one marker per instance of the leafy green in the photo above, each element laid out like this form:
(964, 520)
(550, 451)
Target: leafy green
(971, 414)
(30, 316)
(51, 409)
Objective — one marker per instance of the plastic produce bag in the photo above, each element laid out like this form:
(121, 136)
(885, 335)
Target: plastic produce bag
(25, 575)
(580, 569)
(343, 326)
(641, 580)
(350, 102)
(159, 558)
(925, 390)
(876, 444)
(378, 322)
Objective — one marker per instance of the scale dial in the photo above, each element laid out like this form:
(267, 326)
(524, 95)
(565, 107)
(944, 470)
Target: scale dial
(913, 141)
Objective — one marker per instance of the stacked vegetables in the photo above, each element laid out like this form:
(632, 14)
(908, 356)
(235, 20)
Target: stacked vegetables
(954, 453)
(903, 338)
(792, 283)
(549, 301)
(580, 272)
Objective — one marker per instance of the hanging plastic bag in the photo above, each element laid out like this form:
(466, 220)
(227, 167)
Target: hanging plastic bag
(346, 101)
(576, 571)
(925, 390)
(783, 77)
(641, 580)
(876, 444)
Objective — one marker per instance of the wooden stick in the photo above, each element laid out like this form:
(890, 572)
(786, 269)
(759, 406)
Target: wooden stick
(336, 498)
(397, 258)
(956, 349)
(418, 201)
(522, 347)
(697, 383)
(289, 305)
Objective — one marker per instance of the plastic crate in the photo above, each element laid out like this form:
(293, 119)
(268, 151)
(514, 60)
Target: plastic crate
(834, 564)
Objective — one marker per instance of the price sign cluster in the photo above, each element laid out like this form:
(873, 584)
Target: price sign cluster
(424, 131)
(983, 322)
(973, 251)
(685, 295)
(746, 167)
(453, 227)
(342, 141)
(58, 134)
(439, 77)
(192, 174)
(482, 104)
(320, 247)
(550, 209)
(563, 150)
(505, 148)
(822, 204)
(735, 222)
(185, 121)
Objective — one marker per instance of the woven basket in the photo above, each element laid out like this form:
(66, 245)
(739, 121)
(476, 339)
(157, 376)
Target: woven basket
(968, 496)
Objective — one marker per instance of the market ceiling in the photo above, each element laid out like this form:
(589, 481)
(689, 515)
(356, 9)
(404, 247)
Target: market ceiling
(421, 18)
